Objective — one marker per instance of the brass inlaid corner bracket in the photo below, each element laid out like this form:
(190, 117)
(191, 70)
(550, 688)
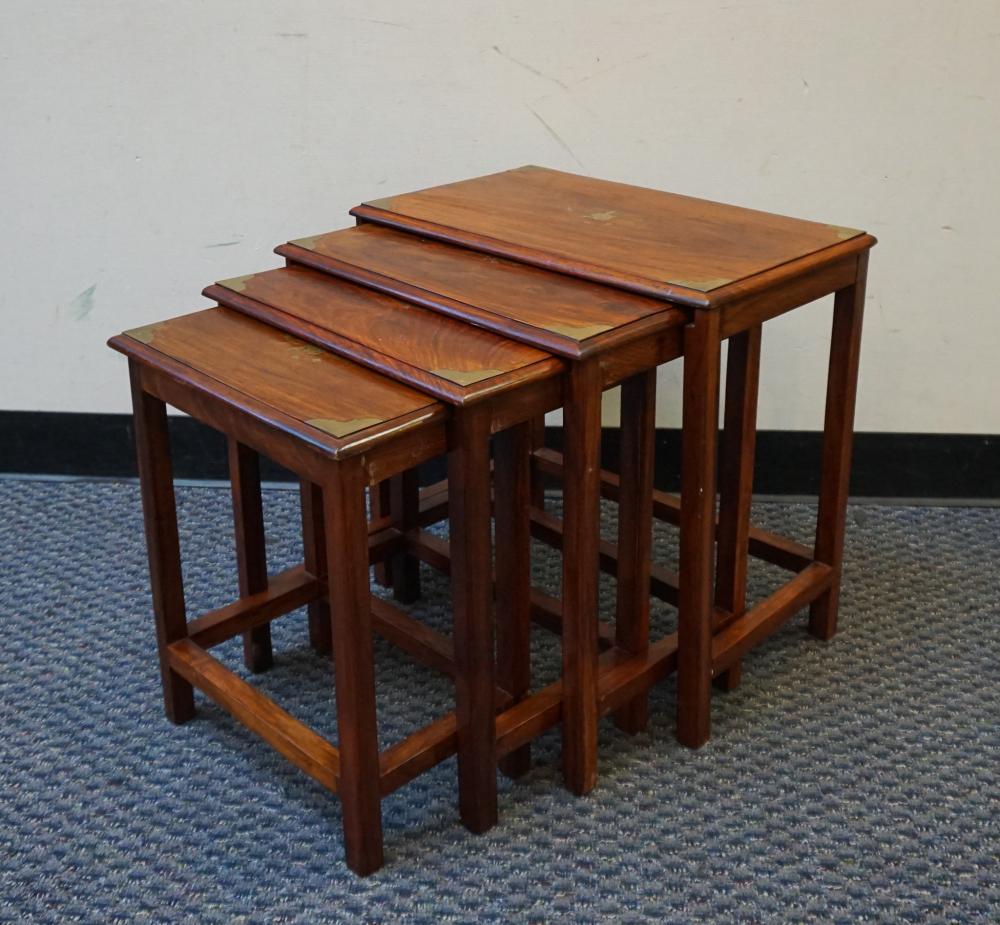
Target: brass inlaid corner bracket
(307, 244)
(702, 285)
(578, 331)
(466, 376)
(237, 283)
(336, 428)
(844, 233)
(144, 334)
(606, 216)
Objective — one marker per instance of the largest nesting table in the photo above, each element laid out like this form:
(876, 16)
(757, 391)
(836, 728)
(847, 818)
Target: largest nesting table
(711, 271)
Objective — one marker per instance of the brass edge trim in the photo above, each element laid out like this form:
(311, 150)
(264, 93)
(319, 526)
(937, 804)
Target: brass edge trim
(237, 283)
(466, 376)
(336, 428)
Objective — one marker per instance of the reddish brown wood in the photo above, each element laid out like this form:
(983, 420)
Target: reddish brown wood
(456, 362)
(838, 441)
(404, 495)
(698, 461)
(314, 548)
(770, 547)
(297, 742)
(537, 478)
(653, 242)
(381, 501)
(357, 730)
(426, 645)
(756, 624)
(152, 442)
(512, 490)
(663, 583)
(635, 531)
(736, 481)
(286, 591)
(470, 542)
(581, 539)
(418, 752)
(251, 549)
(567, 316)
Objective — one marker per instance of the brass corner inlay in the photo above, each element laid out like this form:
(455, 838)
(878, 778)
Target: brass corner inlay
(237, 283)
(701, 285)
(144, 334)
(307, 244)
(606, 216)
(466, 376)
(578, 331)
(336, 428)
(843, 233)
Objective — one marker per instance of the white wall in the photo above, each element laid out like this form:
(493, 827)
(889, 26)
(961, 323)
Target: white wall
(152, 147)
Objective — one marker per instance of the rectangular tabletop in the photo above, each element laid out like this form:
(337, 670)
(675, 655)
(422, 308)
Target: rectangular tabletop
(662, 244)
(291, 384)
(568, 316)
(457, 362)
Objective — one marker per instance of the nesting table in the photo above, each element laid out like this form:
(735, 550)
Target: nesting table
(499, 299)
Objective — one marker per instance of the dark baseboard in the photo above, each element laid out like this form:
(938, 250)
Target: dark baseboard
(960, 466)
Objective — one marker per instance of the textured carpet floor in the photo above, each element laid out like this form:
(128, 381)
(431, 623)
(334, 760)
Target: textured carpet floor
(852, 781)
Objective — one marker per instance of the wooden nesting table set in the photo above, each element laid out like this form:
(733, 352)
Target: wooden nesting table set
(448, 322)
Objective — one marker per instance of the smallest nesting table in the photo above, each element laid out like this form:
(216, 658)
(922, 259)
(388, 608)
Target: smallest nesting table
(341, 428)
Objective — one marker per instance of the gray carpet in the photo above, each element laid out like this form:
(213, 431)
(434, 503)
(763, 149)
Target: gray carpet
(850, 781)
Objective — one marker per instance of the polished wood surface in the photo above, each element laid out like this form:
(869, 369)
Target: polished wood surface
(472, 615)
(314, 555)
(736, 481)
(568, 316)
(251, 550)
(660, 243)
(346, 527)
(512, 516)
(159, 511)
(444, 357)
(635, 531)
(838, 441)
(695, 612)
(581, 561)
(328, 394)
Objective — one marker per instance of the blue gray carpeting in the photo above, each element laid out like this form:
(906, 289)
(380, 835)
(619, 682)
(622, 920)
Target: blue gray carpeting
(857, 780)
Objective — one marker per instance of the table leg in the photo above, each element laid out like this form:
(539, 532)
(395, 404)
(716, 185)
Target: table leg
(472, 600)
(581, 547)
(697, 527)
(159, 510)
(404, 492)
(381, 506)
(537, 478)
(251, 551)
(512, 515)
(354, 669)
(635, 530)
(736, 481)
(838, 441)
(314, 550)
